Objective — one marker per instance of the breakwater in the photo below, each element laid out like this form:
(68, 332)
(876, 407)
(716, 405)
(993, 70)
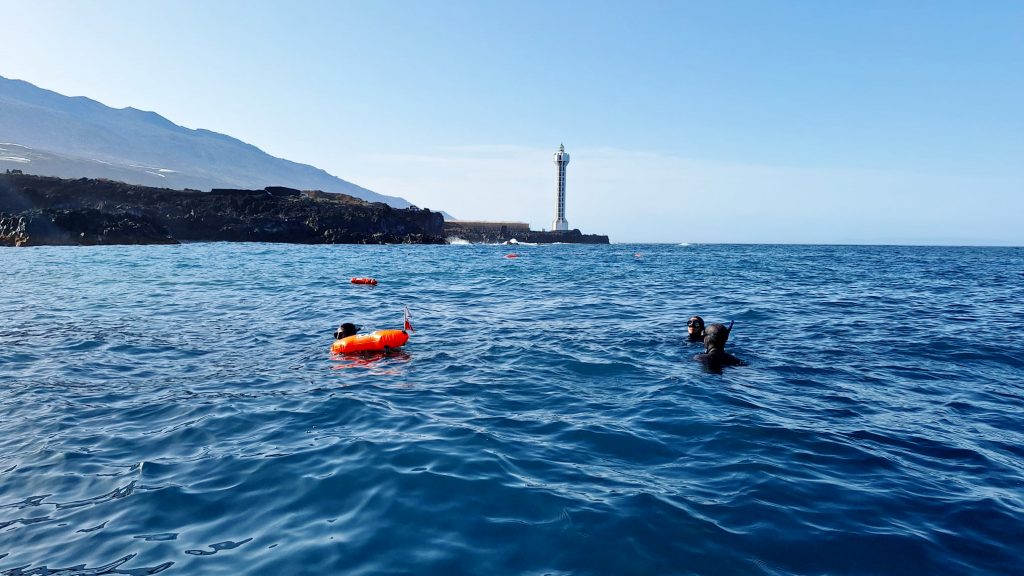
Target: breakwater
(500, 232)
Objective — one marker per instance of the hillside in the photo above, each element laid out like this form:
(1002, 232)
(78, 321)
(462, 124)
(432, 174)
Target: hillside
(43, 132)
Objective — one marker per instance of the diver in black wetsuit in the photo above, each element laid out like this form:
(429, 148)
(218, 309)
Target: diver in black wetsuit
(695, 329)
(345, 330)
(715, 356)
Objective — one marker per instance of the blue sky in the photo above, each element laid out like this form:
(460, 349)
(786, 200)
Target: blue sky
(844, 122)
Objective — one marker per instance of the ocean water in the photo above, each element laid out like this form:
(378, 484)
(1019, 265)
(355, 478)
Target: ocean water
(175, 409)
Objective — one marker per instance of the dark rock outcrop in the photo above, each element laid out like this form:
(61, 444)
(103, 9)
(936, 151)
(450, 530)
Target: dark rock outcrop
(36, 210)
(85, 226)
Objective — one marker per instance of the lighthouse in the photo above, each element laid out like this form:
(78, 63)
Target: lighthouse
(561, 161)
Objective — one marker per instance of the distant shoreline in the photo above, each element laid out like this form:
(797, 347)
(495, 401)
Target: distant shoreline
(502, 232)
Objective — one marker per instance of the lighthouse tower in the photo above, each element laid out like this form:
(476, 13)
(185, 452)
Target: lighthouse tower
(561, 161)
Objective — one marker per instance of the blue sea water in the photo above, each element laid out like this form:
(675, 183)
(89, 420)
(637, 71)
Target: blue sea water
(174, 409)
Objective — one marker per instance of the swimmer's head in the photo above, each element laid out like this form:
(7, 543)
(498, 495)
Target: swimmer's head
(345, 330)
(695, 328)
(715, 337)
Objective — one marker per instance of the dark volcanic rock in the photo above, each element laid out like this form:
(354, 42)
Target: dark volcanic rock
(86, 227)
(42, 210)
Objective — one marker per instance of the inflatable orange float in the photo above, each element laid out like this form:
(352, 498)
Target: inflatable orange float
(378, 341)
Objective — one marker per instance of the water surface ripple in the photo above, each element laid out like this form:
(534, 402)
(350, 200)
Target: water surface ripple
(175, 409)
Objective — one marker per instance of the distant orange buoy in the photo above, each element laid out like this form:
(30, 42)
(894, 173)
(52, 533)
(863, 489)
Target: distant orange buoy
(370, 281)
(511, 255)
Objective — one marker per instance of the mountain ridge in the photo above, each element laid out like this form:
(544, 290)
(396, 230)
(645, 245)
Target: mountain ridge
(76, 136)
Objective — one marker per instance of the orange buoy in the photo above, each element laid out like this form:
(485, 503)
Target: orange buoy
(372, 342)
(370, 281)
(511, 255)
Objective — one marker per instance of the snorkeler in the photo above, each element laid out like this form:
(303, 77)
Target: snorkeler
(695, 329)
(715, 356)
(345, 330)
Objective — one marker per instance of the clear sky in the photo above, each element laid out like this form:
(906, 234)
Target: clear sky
(852, 121)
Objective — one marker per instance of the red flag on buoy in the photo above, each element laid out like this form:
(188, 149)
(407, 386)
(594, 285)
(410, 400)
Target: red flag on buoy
(408, 325)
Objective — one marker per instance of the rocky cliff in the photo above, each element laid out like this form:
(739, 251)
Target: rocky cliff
(37, 210)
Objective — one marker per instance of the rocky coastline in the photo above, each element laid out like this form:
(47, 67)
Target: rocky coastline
(41, 210)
